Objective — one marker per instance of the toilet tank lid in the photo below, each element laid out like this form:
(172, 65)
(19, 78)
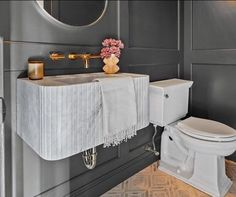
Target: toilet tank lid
(171, 82)
(205, 127)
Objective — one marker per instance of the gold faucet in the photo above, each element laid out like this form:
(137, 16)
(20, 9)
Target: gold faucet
(56, 55)
(84, 56)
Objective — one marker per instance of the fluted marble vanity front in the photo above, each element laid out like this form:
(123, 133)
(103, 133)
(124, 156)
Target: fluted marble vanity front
(60, 116)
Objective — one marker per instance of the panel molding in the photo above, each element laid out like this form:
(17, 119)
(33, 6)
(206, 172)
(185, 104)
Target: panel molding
(215, 49)
(138, 144)
(120, 174)
(192, 36)
(194, 58)
(147, 143)
(211, 64)
(152, 48)
(9, 42)
(215, 82)
(117, 156)
(2, 136)
(155, 48)
(17, 54)
(208, 64)
(216, 56)
(153, 64)
(107, 180)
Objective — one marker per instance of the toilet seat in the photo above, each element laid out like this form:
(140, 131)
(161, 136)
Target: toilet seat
(207, 130)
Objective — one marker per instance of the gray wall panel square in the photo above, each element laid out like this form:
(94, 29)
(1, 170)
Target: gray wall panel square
(213, 24)
(214, 92)
(153, 24)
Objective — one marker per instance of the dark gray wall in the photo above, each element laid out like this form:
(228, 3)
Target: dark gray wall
(210, 59)
(149, 30)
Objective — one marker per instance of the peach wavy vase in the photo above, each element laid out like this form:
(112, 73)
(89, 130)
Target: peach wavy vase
(110, 66)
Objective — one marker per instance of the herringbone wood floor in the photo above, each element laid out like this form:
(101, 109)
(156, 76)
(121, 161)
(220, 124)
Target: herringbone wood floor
(151, 182)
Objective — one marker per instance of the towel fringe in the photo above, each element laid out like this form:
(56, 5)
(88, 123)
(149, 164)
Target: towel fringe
(118, 138)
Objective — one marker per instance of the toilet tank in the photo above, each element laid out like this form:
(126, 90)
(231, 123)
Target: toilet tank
(168, 100)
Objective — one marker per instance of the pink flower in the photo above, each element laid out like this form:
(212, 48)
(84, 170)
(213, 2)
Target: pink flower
(113, 42)
(105, 52)
(106, 42)
(111, 46)
(120, 44)
(114, 49)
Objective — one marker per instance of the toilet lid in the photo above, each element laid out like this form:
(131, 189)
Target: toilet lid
(207, 129)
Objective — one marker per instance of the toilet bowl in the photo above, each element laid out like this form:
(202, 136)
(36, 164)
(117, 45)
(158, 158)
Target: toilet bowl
(192, 149)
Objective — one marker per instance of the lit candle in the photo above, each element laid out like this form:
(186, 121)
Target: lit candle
(35, 69)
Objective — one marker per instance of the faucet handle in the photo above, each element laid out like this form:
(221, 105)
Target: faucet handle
(73, 56)
(56, 55)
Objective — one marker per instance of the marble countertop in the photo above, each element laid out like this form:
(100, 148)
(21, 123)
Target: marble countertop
(62, 80)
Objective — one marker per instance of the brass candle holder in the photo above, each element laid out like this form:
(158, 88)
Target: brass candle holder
(35, 69)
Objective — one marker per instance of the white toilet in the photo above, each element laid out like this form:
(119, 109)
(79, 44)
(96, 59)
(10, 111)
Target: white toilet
(193, 149)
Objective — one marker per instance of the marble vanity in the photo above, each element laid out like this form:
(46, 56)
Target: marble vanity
(60, 116)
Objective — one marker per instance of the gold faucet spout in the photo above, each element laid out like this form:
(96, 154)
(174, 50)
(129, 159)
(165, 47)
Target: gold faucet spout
(84, 56)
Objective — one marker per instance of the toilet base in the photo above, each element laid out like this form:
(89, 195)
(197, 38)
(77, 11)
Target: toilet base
(208, 174)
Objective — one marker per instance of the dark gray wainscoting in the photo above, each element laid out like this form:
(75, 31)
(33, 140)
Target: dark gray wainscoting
(149, 30)
(210, 59)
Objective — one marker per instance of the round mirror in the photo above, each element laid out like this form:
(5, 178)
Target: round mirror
(75, 13)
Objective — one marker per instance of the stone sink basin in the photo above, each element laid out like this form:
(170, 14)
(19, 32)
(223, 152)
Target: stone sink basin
(61, 80)
(60, 116)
